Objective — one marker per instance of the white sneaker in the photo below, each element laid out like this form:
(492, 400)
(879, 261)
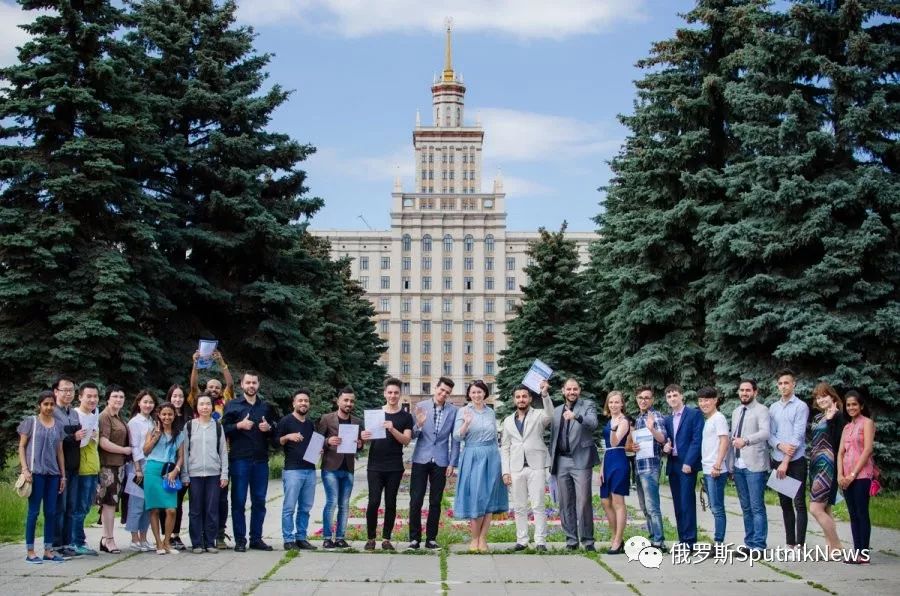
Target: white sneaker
(136, 547)
(146, 548)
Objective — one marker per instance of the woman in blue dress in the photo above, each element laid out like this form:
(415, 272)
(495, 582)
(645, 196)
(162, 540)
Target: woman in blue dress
(480, 490)
(615, 473)
(165, 456)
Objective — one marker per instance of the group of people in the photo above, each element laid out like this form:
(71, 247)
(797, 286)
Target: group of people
(207, 444)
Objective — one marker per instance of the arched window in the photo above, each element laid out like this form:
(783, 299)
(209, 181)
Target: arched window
(426, 243)
(407, 242)
(448, 243)
(489, 243)
(469, 243)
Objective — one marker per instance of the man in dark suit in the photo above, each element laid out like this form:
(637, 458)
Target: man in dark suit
(573, 454)
(686, 426)
(434, 460)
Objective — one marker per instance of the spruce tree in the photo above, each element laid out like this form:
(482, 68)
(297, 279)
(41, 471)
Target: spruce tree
(551, 323)
(648, 274)
(78, 264)
(809, 255)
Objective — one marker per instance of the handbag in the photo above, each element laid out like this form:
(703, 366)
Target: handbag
(23, 485)
(875, 487)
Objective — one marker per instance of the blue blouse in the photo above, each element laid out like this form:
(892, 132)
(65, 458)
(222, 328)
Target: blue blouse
(482, 429)
(166, 449)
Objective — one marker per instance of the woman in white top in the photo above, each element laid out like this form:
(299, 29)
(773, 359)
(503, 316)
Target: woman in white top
(139, 426)
(714, 453)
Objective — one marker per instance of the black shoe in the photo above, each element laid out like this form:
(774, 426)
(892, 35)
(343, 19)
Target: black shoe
(414, 545)
(541, 548)
(240, 548)
(304, 545)
(260, 546)
(432, 544)
(370, 545)
(341, 543)
(616, 551)
(520, 547)
(177, 544)
(663, 548)
(590, 548)
(386, 545)
(290, 546)
(328, 543)
(571, 547)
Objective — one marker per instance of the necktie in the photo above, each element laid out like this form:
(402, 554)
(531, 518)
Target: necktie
(568, 450)
(740, 428)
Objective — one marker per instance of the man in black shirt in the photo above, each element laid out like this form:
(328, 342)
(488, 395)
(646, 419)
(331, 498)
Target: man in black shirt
(67, 417)
(385, 469)
(246, 424)
(299, 476)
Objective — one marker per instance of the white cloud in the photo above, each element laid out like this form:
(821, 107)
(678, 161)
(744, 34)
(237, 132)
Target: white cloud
(513, 135)
(11, 36)
(521, 18)
(371, 168)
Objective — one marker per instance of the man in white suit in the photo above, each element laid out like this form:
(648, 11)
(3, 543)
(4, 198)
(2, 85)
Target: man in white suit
(524, 460)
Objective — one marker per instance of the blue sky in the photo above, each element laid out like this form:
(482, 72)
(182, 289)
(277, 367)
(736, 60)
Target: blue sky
(546, 77)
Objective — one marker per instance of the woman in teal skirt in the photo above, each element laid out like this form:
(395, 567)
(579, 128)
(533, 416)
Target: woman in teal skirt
(480, 490)
(165, 453)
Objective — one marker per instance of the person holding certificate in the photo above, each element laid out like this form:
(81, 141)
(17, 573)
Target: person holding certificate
(385, 469)
(614, 479)
(649, 432)
(294, 432)
(337, 468)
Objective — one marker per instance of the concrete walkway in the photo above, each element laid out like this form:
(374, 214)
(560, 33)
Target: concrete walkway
(454, 571)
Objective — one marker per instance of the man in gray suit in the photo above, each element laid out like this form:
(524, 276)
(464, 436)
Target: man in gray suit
(750, 437)
(573, 454)
(434, 460)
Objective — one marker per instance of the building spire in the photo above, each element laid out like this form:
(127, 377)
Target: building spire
(448, 54)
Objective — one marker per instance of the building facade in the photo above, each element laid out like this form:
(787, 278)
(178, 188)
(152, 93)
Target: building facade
(448, 274)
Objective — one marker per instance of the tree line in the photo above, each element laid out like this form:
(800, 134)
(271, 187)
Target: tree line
(752, 219)
(145, 202)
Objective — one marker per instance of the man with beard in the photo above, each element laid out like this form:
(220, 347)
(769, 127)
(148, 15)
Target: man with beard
(220, 396)
(524, 460)
(337, 470)
(750, 432)
(299, 476)
(246, 424)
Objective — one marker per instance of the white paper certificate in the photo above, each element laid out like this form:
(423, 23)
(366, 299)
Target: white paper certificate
(644, 440)
(206, 348)
(314, 448)
(787, 486)
(348, 433)
(374, 421)
(537, 373)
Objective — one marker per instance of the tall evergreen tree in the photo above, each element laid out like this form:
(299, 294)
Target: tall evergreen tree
(647, 271)
(551, 323)
(78, 264)
(809, 256)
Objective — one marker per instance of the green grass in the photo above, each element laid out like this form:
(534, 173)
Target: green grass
(13, 509)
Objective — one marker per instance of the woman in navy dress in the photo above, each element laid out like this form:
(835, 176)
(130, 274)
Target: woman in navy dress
(480, 490)
(614, 477)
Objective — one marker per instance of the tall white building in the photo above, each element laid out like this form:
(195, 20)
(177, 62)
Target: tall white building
(446, 277)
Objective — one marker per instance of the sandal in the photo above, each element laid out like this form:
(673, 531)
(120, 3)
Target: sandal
(106, 549)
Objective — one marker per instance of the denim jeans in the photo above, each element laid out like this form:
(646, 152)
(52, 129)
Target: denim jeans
(44, 488)
(338, 486)
(751, 490)
(138, 517)
(87, 493)
(65, 511)
(856, 496)
(253, 477)
(716, 489)
(299, 494)
(648, 495)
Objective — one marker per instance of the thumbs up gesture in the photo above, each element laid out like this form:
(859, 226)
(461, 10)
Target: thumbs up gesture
(264, 426)
(246, 423)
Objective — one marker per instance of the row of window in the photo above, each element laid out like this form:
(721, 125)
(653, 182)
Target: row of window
(468, 155)
(468, 262)
(446, 326)
(468, 347)
(447, 305)
(468, 283)
(447, 370)
(448, 175)
(468, 243)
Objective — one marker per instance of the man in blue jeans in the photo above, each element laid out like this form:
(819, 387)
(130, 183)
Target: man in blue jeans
(246, 424)
(648, 468)
(299, 477)
(67, 418)
(337, 469)
(750, 436)
(89, 466)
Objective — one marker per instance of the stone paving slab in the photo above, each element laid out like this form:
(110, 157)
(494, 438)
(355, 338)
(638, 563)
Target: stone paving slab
(275, 587)
(361, 568)
(524, 569)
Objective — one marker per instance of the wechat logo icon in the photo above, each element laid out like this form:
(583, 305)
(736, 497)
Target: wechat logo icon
(638, 548)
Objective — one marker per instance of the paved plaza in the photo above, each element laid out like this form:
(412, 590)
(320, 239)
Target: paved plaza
(453, 571)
